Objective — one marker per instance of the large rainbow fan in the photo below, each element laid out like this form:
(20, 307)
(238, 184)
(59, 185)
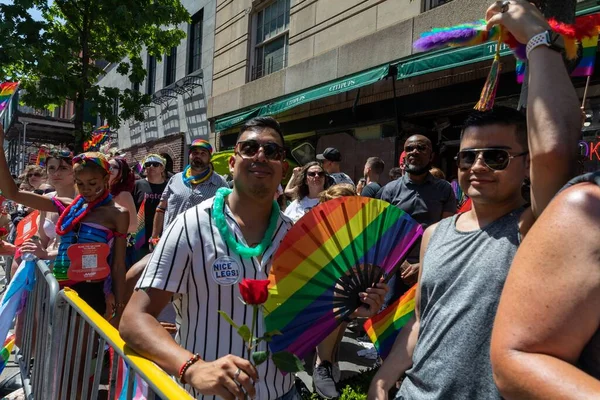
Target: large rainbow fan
(337, 250)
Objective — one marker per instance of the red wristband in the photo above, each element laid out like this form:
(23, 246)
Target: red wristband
(193, 359)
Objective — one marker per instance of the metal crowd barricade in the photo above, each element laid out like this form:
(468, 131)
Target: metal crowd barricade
(77, 370)
(36, 322)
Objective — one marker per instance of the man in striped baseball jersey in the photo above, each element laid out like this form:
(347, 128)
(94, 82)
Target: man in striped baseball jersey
(194, 264)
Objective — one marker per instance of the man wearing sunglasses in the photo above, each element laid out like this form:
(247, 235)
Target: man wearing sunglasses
(425, 198)
(196, 264)
(445, 348)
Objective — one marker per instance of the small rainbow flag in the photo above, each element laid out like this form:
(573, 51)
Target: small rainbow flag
(6, 350)
(41, 157)
(140, 234)
(586, 63)
(384, 327)
(588, 57)
(7, 90)
(99, 137)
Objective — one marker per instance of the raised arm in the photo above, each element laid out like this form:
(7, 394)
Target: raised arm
(400, 358)
(553, 114)
(10, 190)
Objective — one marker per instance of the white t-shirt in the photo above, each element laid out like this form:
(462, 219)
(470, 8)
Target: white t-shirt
(193, 262)
(298, 208)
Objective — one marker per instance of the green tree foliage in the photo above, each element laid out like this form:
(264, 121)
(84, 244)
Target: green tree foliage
(55, 58)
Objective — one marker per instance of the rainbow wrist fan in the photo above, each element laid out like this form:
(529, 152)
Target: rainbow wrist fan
(333, 253)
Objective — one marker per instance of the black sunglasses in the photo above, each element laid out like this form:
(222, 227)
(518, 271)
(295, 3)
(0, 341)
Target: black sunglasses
(412, 147)
(36, 174)
(315, 173)
(152, 164)
(250, 148)
(496, 159)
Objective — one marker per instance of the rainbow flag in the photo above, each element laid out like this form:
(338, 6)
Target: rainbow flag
(6, 350)
(124, 374)
(7, 90)
(347, 239)
(140, 234)
(586, 63)
(384, 327)
(99, 137)
(41, 157)
(588, 57)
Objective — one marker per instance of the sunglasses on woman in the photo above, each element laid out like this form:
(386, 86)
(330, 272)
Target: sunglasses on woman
(250, 148)
(495, 159)
(36, 174)
(319, 174)
(152, 164)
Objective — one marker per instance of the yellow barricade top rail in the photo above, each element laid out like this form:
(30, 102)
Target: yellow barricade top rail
(157, 379)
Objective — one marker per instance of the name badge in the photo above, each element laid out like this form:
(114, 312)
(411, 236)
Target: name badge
(88, 261)
(226, 271)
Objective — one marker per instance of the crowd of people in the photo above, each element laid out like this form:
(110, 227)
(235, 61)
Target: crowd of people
(508, 282)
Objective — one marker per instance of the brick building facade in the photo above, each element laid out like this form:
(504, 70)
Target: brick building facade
(173, 145)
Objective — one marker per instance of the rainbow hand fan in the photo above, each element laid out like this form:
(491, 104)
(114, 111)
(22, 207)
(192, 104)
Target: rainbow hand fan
(337, 250)
(383, 328)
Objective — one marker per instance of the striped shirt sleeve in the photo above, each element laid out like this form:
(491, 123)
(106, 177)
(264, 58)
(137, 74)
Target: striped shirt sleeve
(169, 266)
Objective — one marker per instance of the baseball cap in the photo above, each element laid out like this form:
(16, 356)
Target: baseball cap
(330, 154)
(203, 144)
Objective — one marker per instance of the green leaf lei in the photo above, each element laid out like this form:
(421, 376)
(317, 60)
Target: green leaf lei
(237, 247)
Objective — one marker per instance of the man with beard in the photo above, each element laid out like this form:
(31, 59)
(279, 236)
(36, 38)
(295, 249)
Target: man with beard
(186, 189)
(421, 195)
(199, 262)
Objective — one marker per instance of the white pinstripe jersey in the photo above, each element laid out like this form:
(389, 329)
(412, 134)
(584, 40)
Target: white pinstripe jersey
(190, 261)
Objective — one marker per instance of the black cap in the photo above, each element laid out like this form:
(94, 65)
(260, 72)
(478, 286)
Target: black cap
(330, 154)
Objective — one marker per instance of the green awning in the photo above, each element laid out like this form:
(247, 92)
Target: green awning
(318, 92)
(329, 89)
(236, 119)
(441, 60)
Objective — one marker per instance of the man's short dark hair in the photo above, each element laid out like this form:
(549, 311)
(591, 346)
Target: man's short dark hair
(376, 164)
(499, 115)
(257, 124)
(395, 173)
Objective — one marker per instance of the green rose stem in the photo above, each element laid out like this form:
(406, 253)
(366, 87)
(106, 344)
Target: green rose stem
(254, 318)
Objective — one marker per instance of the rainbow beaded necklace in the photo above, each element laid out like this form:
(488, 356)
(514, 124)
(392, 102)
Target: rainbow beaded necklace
(77, 211)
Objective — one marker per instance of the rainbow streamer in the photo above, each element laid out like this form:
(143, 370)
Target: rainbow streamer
(6, 350)
(586, 64)
(140, 234)
(7, 90)
(458, 193)
(383, 328)
(331, 242)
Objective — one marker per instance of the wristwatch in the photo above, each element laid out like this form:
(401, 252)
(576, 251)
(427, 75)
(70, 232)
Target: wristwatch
(549, 38)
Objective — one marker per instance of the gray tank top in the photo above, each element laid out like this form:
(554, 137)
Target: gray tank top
(463, 276)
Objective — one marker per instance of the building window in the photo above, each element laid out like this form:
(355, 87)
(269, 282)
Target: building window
(116, 107)
(151, 79)
(170, 66)
(271, 39)
(195, 42)
(430, 4)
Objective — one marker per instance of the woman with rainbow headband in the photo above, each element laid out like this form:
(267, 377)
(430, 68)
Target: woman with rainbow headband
(92, 217)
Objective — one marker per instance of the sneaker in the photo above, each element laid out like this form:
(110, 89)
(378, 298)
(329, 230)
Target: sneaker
(323, 381)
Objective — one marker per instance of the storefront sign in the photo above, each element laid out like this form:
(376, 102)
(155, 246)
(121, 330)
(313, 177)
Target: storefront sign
(590, 149)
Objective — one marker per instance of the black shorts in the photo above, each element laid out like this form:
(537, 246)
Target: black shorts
(93, 294)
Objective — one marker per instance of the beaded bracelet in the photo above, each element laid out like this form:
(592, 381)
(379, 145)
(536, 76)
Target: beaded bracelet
(193, 359)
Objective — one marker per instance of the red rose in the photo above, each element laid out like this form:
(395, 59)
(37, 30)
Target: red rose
(3, 232)
(254, 291)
